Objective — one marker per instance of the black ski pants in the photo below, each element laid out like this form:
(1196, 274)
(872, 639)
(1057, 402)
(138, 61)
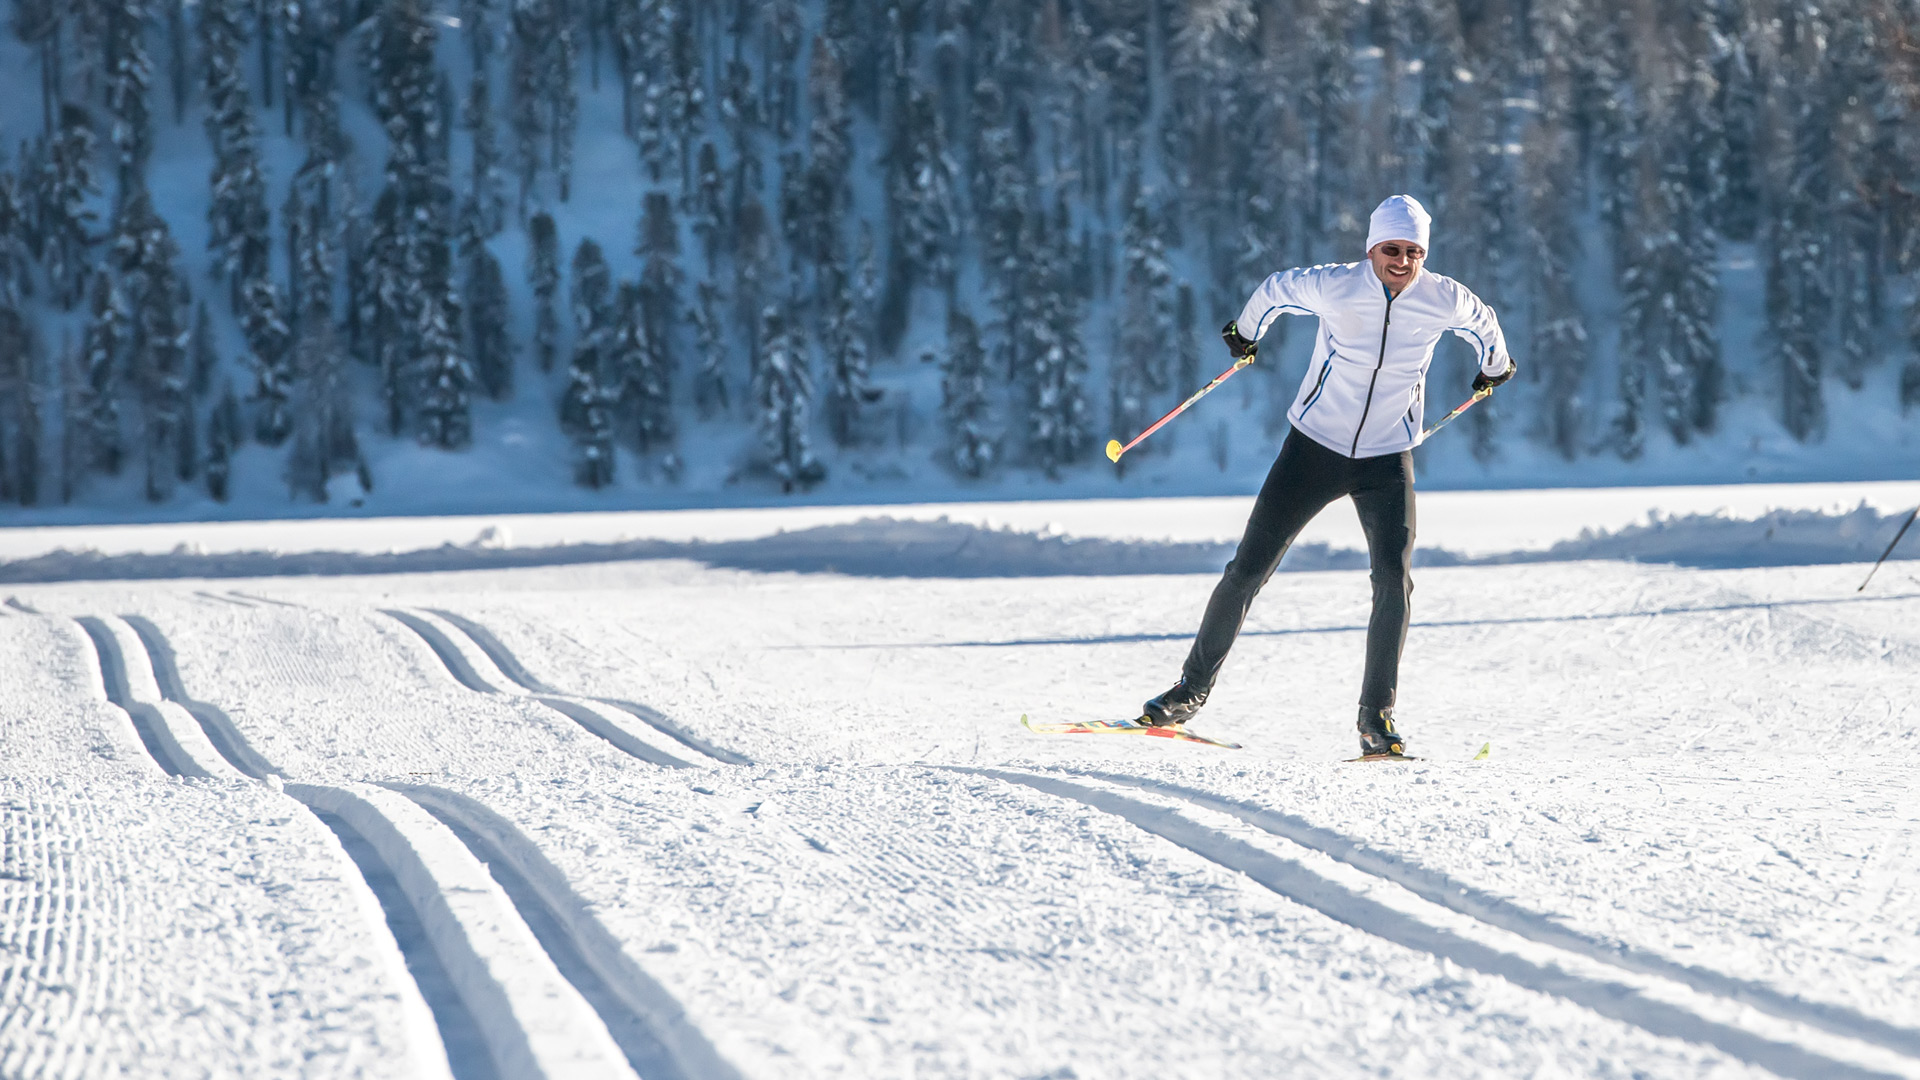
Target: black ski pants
(1304, 479)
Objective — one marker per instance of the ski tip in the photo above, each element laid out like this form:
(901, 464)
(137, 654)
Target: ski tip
(1486, 751)
(1113, 450)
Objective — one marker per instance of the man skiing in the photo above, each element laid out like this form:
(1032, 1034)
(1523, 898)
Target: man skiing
(1355, 422)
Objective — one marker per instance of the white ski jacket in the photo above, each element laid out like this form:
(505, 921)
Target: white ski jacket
(1365, 392)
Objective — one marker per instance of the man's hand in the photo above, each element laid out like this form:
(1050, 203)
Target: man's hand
(1484, 381)
(1240, 347)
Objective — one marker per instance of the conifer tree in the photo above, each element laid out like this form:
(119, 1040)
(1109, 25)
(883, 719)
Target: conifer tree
(129, 77)
(413, 300)
(237, 211)
(1799, 296)
(1146, 326)
(65, 221)
(658, 304)
(543, 270)
(325, 443)
(156, 355)
(710, 393)
(488, 340)
(1059, 420)
(223, 436)
(783, 403)
(104, 342)
(588, 411)
(964, 402)
(20, 426)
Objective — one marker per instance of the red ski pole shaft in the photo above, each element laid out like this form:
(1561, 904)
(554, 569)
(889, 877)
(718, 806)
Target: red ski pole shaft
(1478, 396)
(1890, 547)
(1114, 449)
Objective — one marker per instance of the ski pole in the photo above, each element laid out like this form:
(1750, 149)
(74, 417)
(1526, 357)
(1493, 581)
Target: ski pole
(1114, 449)
(1478, 395)
(1890, 547)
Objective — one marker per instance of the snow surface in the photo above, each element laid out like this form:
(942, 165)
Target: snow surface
(671, 818)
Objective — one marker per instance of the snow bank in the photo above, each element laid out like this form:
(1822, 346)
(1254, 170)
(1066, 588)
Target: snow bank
(942, 548)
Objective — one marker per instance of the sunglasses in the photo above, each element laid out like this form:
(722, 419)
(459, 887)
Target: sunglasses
(1394, 251)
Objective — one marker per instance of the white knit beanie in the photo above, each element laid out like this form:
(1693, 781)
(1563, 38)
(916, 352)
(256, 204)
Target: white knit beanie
(1399, 217)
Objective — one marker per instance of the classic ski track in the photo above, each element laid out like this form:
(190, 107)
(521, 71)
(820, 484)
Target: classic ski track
(650, 1026)
(1304, 886)
(501, 667)
(1437, 888)
(510, 666)
(448, 884)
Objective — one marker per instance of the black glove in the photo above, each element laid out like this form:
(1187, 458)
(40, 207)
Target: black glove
(1484, 381)
(1240, 347)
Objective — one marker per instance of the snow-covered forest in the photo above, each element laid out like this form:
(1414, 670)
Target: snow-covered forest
(702, 242)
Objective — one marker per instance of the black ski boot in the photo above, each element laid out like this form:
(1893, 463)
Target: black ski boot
(1174, 707)
(1378, 738)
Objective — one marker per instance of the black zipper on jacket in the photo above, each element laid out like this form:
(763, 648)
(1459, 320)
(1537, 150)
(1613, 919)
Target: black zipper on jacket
(1378, 364)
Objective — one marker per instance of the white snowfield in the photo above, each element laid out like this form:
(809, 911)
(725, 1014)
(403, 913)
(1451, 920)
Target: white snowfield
(663, 820)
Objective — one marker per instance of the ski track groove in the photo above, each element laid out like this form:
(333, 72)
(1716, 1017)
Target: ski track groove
(647, 1023)
(1437, 888)
(1302, 885)
(580, 709)
(627, 1001)
(509, 664)
(219, 727)
(113, 673)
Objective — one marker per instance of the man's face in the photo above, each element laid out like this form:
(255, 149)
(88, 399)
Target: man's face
(1397, 262)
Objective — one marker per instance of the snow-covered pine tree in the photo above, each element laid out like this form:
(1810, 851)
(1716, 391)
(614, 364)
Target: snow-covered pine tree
(414, 297)
(102, 346)
(1856, 101)
(1738, 104)
(710, 206)
(16, 229)
(129, 77)
(965, 404)
(710, 394)
(785, 28)
(1145, 330)
(144, 255)
(754, 267)
(484, 213)
(223, 436)
(590, 297)
(237, 211)
(921, 211)
(263, 323)
(1799, 289)
(65, 184)
(1557, 345)
(588, 409)
(646, 402)
(488, 340)
(545, 103)
(783, 403)
(658, 296)
(20, 426)
(324, 443)
(543, 271)
(1059, 419)
(202, 358)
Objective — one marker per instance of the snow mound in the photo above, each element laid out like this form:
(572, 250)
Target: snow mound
(887, 547)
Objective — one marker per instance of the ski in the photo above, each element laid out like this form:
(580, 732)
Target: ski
(1384, 757)
(1122, 727)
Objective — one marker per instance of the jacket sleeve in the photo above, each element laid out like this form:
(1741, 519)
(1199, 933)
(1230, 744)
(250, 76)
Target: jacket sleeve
(1476, 324)
(1289, 292)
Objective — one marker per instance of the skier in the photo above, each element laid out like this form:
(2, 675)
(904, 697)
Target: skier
(1355, 422)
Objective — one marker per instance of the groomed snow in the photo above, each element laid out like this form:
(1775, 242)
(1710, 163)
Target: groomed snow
(777, 824)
